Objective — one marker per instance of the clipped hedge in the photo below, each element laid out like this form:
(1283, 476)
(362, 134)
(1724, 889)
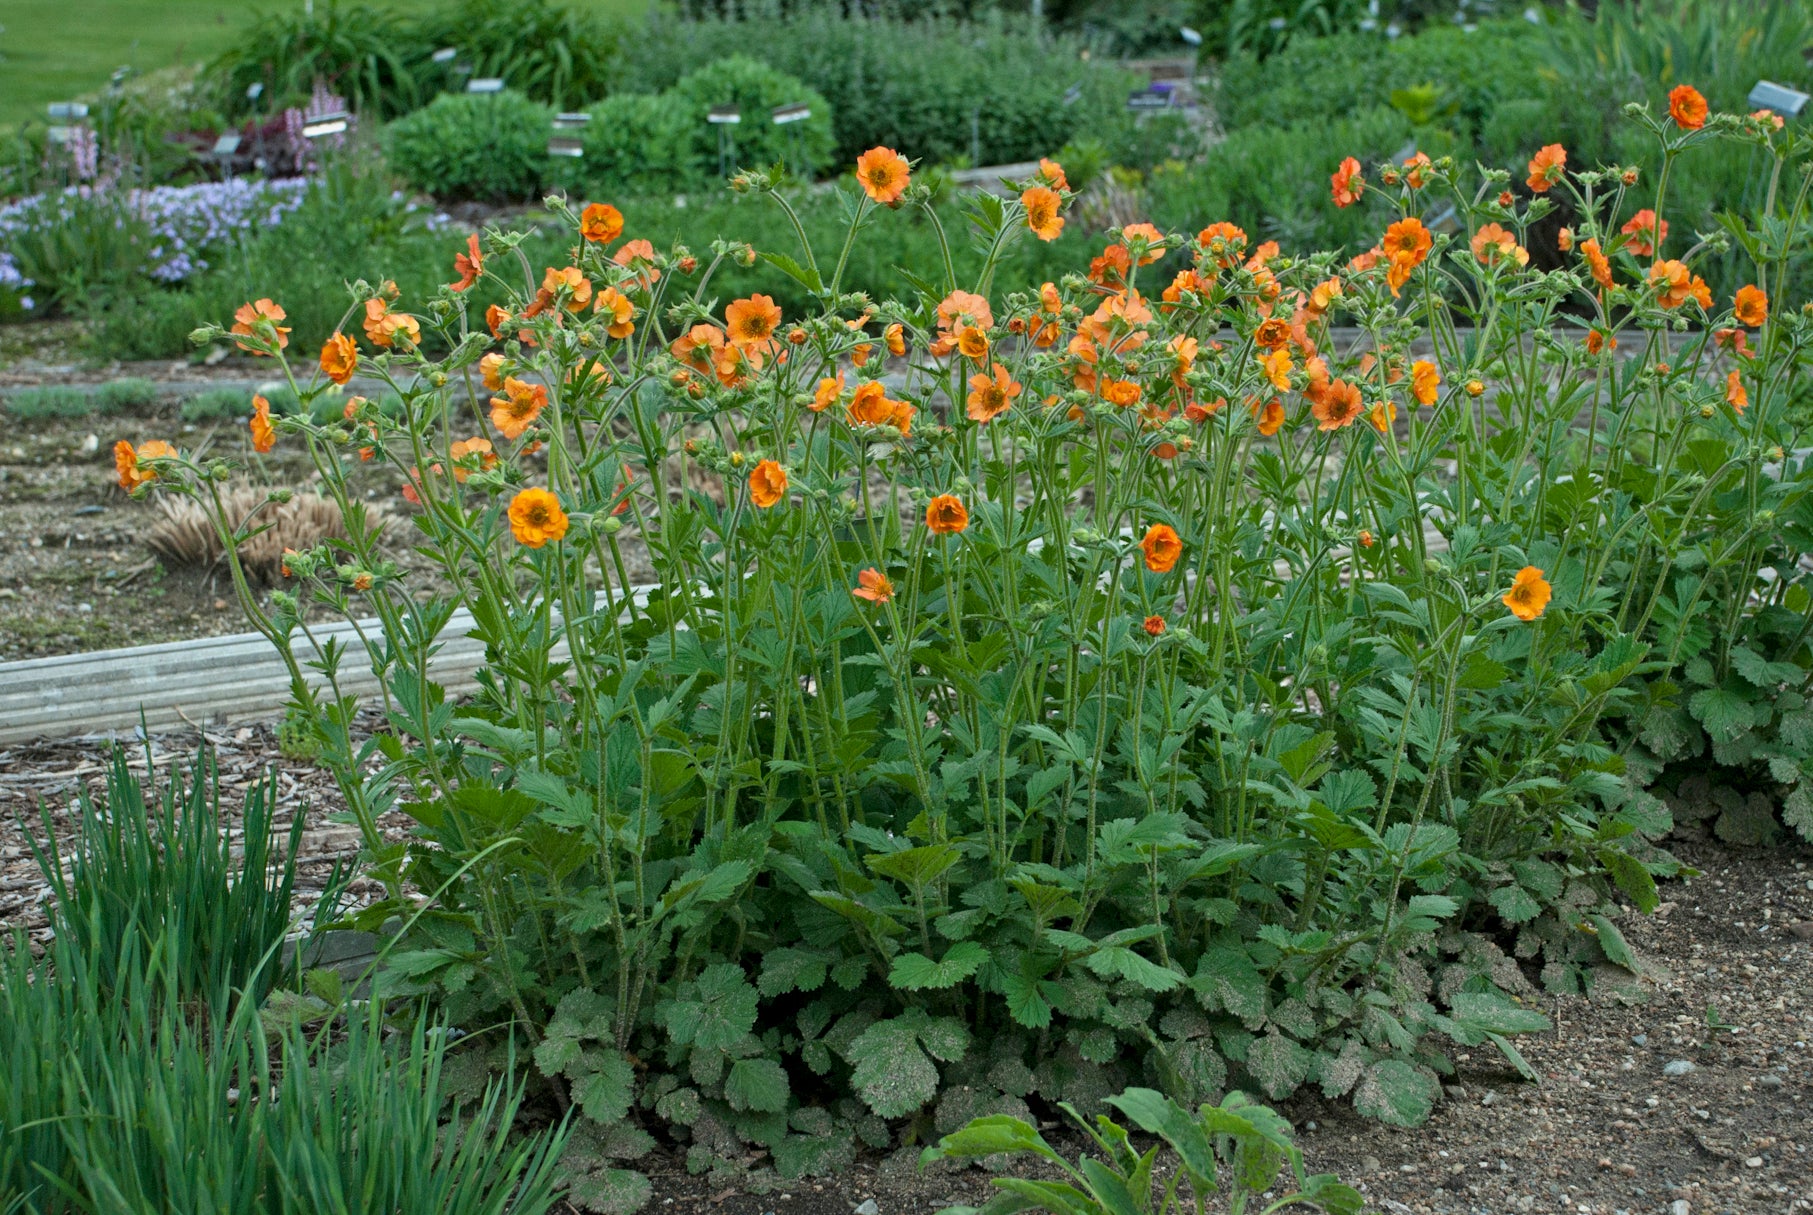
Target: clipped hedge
(755, 89)
(487, 146)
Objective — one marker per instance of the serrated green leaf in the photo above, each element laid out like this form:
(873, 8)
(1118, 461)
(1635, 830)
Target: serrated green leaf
(1396, 1093)
(915, 971)
(756, 1084)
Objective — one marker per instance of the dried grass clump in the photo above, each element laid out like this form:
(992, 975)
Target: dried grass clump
(184, 538)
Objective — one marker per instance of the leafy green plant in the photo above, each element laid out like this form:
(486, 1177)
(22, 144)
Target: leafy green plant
(1237, 1148)
(360, 51)
(490, 146)
(559, 53)
(49, 401)
(991, 91)
(755, 90)
(127, 395)
(636, 143)
(1172, 713)
(159, 868)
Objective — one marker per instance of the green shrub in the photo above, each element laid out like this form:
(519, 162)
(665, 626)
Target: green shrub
(636, 143)
(754, 89)
(488, 146)
(119, 396)
(49, 401)
(990, 92)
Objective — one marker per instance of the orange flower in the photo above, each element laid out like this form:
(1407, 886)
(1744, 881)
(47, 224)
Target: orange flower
(1425, 381)
(883, 173)
(1382, 415)
(1149, 239)
(495, 320)
(1223, 243)
(1752, 305)
(1110, 269)
(991, 396)
(1269, 416)
(1337, 406)
(829, 391)
(618, 305)
(1154, 626)
(126, 461)
(1162, 547)
(490, 370)
(517, 409)
(1645, 233)
(869, 406)
(1528, 595)
(1687, 107)
(1347, 183)
(468, 265)
(601, 223)
(1365, 539)
(1122, 393)
(1598, 339)
(894, 338)
(339, 358)
(1416, 170)
(1732, 339)
(699, 347)
(945, 515)
(1546, 167)
(1700, 293)
(972, 343)
(1672, 283)
(480, 453)
(957, 311)
(264, 435)
(1564, 240)
(569, 281)
(873, 585)
(383, 327)
(1408, 241)
(1323, 296)
(1493, 244)
(767, 484)
(859, 353)
(1052, 174)
(1273, 333)
(1734, 391)
(1041, 205)
(536, 518)
(250, 315)
(1597, 261)
(1277, 366)
(640, 256)
(751, 322)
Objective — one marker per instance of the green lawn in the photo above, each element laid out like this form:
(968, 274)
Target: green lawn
(53, 50)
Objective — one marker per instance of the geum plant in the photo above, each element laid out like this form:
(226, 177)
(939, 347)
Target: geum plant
(1132, 679)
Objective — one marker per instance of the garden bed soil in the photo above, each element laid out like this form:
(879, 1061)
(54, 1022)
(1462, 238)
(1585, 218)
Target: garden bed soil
(1727, 988)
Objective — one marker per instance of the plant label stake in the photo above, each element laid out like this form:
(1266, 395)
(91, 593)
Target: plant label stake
(568, 138)
(724, 117)
(792, 115)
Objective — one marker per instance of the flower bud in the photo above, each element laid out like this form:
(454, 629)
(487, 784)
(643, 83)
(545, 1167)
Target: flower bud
(611, 525)
(1476, 388)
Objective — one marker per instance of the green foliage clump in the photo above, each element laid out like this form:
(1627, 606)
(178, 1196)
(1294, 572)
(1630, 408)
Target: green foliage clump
(121, 396)
(990, 92)
(49, 401)
(486, 146)
(235, 404)
(754, 89)
(1237, 1148)
(155, 867)
(382, 61)
(635, 144)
